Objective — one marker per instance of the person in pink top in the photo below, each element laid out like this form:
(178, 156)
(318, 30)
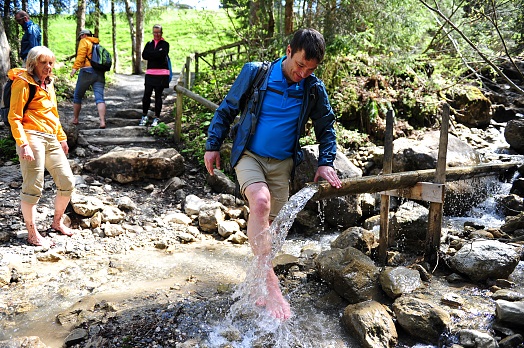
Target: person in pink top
(157, 73)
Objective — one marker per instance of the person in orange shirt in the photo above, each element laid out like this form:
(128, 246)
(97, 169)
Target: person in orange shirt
(88, 77)
(41, 142)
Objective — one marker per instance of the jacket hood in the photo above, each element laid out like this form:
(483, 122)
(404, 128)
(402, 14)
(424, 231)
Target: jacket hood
(21, 73)
(92, 39)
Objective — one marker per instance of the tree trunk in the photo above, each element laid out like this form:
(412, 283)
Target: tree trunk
(254, 6)
(97, 18)
(289, 17)
(45, 24)
(113, 21)
(5, 51)
(137, 69)
(80, 20)
(271, 19)
(130, 16)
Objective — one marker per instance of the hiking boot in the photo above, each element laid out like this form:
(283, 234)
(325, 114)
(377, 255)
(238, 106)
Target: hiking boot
(155, 122)
(143, 121)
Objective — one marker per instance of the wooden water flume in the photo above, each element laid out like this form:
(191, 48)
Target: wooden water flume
(427, 185)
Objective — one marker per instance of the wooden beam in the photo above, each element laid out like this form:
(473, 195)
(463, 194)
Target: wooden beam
(377, 183)
(208, 104)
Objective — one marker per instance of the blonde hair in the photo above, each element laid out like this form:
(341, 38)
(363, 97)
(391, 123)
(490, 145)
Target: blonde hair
(34, 56)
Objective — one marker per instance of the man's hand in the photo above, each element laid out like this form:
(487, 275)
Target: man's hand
(330, 174)
(73, 72)
(211, 159)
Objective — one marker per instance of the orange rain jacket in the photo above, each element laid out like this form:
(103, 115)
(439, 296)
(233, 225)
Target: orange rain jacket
(85, 51)
(41, 114)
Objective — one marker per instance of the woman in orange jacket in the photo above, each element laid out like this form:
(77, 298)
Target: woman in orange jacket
(41, 143)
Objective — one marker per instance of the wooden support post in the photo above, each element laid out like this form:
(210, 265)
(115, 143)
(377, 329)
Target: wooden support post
(196, 64)
(387, 168)
(179, 109)
(187, 78)
(436, 209)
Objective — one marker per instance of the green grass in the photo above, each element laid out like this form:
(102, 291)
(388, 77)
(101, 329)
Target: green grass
(187, 31)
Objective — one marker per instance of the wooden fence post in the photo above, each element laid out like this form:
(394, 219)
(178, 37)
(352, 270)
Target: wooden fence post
(387, 168)
(179, 108)
(436, 209)
(188, 72)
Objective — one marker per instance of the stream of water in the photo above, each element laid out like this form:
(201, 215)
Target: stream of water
(239, 323)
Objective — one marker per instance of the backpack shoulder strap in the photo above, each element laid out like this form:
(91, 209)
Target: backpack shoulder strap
(32, 92)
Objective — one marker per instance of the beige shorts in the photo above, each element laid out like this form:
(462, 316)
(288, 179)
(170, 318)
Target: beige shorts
(48, 155)
(252, 168)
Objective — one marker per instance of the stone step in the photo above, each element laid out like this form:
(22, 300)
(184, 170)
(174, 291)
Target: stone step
(126, 131)
(120, 140)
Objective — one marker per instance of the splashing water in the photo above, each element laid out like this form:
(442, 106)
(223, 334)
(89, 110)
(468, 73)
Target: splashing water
(247, 324)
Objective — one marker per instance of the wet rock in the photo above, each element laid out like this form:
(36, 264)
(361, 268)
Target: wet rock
(396, 281)
(477, 339)
(512, 341)
(484, 259)
(282, 263)
(514, 134)
(421, 318)
(358, 238)
(508, 295)
(510, 312)
(352, 274)
(409, 226)
(517, 187)
(371, 323)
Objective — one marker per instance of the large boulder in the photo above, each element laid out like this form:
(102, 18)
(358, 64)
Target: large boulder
(137, 163)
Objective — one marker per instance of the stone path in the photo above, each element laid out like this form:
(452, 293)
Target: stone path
(123, 97)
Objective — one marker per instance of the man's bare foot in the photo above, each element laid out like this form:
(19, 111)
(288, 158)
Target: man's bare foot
(38, 240)
(62, 229)
(274, 301)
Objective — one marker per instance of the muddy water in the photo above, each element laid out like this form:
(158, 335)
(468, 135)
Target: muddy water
(31, 308)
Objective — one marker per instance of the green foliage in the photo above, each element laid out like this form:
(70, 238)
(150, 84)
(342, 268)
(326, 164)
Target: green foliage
(8, 150)
(161, 130)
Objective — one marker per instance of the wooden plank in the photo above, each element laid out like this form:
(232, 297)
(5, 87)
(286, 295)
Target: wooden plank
(208, 104)
(422, 191)
(384, 237)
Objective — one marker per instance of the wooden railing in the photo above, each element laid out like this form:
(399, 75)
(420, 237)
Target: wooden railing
(225, 54)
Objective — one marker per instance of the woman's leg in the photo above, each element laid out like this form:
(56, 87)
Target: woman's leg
(59, 168)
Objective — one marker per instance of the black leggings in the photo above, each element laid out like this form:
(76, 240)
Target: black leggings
(146, 100)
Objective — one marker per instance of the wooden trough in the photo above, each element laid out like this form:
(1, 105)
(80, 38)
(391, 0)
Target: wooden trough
(427, 185)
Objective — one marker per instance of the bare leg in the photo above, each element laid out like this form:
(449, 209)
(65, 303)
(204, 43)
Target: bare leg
(260, 241)
(102, 113)
(33, 236)
(61, 203)
(76, 112)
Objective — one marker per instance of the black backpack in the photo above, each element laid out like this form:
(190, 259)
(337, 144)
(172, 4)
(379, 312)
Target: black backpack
(6, 99)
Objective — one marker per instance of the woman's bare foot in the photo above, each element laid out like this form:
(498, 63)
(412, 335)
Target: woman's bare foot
(75, 121)
(38, 240)
(62, 229)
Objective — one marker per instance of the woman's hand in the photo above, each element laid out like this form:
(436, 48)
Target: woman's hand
(65, 147)
(26, 153)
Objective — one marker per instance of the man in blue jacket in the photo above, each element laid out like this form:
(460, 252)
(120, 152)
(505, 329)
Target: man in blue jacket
(31, 37)
(266, 146)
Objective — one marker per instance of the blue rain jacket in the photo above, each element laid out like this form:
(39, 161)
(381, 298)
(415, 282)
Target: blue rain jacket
(315, 106)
